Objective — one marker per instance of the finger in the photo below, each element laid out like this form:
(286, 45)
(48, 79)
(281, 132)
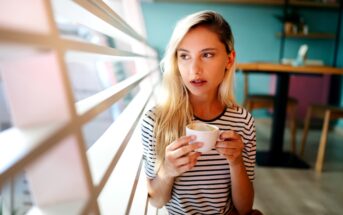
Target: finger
(228, 135)
(229, 144)
(189, 165)
(184, 168)
(221, 151)
(224, 151)
(187, 159)
(185, 150)
(180, 142)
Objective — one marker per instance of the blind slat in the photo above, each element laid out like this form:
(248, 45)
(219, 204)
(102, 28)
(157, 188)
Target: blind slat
(42, 41)
(104, 154)
(89, 14)
(118, 19)
(93, 105)
(22, 145)
(126, 172)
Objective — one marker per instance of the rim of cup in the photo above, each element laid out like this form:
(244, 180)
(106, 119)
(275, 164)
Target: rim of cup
(202, 123)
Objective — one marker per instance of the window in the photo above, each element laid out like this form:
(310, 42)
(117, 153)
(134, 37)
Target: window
(77, 78)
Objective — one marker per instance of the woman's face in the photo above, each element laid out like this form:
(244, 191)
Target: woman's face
(202, 60)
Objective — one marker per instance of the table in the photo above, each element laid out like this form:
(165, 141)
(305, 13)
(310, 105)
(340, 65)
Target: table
(276, 156)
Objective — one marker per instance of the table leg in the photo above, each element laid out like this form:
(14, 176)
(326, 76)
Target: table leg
(275, 156)
(279, 118)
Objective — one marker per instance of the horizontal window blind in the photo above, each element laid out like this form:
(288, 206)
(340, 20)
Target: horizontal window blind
(67, 66)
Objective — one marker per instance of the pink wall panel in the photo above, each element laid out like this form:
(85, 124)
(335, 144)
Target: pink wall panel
(307, 89)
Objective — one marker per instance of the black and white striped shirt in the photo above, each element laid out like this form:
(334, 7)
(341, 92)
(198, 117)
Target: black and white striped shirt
(206, 189)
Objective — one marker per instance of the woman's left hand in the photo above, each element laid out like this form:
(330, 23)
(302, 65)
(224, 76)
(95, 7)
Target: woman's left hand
(230, 145)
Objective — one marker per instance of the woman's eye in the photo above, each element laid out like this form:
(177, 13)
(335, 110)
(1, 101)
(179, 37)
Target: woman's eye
(184, 56)
(208, 55)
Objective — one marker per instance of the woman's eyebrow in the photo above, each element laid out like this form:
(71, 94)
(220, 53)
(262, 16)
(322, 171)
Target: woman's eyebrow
(202, 50)
(181, 49)
(208, 49)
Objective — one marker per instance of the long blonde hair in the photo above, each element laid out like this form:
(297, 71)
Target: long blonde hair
(174, 110)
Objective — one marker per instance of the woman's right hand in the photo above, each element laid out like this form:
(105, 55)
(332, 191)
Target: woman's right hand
(180, 156)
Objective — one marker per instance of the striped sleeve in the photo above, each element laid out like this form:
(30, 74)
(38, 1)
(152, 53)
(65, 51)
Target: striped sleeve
(149, 142)
(249, 139)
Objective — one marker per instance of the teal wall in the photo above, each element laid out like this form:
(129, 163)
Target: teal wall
(254, 29)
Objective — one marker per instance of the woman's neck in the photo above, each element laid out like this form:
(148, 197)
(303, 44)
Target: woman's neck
(206, 108)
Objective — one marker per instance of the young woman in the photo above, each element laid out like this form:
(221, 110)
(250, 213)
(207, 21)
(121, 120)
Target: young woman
(198, 72)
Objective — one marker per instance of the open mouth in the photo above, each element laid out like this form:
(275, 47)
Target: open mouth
(198, 82)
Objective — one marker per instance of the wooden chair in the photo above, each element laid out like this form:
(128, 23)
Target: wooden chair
(263, 101)
(327, 113)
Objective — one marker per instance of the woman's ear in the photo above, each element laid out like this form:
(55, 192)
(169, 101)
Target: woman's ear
(230, 59)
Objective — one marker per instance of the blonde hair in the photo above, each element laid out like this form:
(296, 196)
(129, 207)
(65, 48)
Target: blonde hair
(174, 111)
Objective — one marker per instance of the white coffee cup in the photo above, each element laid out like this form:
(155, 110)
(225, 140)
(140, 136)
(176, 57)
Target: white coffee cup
(208, 134)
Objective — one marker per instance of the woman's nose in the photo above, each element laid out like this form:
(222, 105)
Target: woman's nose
(196, 67)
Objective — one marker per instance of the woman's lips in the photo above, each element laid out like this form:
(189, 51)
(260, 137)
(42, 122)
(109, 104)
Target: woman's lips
(198, 82)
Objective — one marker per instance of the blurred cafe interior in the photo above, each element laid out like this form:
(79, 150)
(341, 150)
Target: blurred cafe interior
(76, 76)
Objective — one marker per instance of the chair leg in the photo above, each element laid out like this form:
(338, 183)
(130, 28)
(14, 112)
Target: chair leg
(293, 129)
(305, 131)
(322, 144)
(248, 106)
